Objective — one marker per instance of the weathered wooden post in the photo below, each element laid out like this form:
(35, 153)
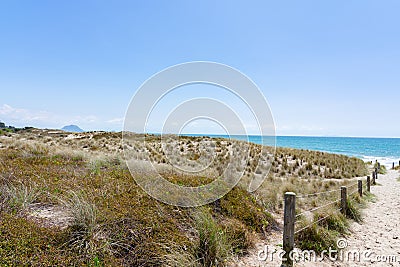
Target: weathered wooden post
(376, 173)
(393, 166)
(368, 184)
(373, 178)
(360, 188)
(288, 228)
(343, 200)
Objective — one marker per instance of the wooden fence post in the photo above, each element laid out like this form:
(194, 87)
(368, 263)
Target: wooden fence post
(343, 200)
(288, 228)
(393, 166)
(360, 187)
(376, 173)
(368, 184)
(373, 178)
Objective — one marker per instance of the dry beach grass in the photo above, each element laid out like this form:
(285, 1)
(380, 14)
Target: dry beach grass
(69, 199)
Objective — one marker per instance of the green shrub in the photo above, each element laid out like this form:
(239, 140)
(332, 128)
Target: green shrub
(239, 204)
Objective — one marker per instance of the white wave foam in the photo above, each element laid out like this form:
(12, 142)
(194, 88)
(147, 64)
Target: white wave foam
(386, 161)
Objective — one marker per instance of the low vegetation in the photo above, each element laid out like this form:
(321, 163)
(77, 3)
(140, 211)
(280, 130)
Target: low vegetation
(322, 231)
(108, 220)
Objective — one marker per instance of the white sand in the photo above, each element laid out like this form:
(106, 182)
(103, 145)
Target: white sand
(379, 232)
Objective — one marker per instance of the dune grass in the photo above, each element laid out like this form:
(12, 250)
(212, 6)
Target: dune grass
(327, 225)
(115, 223)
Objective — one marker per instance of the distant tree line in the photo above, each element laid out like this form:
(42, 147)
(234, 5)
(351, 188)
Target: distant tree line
(5, 128)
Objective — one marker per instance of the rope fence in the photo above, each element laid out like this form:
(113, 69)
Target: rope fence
(315, 222)
(352, 193)
(351, 186)
(290, 215)
(317, 194)
(324, 206)
(317, 208)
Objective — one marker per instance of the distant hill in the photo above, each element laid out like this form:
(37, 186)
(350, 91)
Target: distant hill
(72, 128)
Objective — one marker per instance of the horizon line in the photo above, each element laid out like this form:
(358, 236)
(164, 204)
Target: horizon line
(220, 134)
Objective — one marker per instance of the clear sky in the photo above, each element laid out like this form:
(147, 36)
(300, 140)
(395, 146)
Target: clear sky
(327, 68)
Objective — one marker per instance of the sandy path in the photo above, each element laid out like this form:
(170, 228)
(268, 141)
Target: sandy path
(379, 232)
(376, 238)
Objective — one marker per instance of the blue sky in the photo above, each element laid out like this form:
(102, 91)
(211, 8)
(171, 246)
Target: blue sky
(326, 67)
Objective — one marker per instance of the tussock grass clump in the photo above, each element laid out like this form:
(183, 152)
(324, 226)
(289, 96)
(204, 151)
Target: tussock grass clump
(214, 246)
(368, 197)
(381, 168)
(84, 228)
(218, 241)
(17, 196)
(354, 208)
(181, 256)
(336, 221)
(316, 238)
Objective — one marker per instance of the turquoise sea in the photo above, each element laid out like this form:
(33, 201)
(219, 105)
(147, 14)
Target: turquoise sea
(385, 150)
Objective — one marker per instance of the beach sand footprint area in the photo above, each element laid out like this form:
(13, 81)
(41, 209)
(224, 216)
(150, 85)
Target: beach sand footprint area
(379, 232)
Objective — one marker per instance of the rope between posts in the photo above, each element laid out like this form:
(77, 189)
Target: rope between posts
(291, 220)
(350, 186)
(317, 208)
(365, 187)
(355, 191)
(316, 194)
(311, 224)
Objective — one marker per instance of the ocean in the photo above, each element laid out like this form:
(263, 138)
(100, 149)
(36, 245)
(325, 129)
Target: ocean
(385, 150)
